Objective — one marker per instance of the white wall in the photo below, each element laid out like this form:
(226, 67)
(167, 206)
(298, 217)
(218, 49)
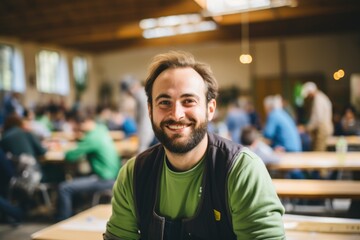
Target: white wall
(305, 55)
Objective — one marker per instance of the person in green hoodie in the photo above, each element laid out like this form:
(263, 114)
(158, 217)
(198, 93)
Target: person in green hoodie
(98, 148)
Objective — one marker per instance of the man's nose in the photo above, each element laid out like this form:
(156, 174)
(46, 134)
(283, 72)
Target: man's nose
(178, 111)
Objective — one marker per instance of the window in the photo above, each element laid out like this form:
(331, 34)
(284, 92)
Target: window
(11, 69)
(80, 68)
(52, 73)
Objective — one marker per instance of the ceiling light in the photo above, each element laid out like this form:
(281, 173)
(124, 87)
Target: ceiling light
(339, 74)
(245, 57)
(224, 7)
(175, 25)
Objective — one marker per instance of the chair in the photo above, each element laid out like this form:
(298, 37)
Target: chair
(43, 188)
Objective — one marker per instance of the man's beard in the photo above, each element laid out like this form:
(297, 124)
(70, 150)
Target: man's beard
(197, 134)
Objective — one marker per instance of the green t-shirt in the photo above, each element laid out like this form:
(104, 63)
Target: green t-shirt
(100, 150)
(255, 208)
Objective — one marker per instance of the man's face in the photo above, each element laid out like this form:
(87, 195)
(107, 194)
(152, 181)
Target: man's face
(179, 112)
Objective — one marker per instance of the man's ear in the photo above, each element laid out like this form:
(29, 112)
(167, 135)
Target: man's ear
(211, 109)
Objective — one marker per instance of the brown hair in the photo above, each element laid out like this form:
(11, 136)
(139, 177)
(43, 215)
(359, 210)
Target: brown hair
(11, 121)
(248, 135)
(180, 59)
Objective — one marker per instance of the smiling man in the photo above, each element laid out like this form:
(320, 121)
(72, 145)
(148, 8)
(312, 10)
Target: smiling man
(193, 185)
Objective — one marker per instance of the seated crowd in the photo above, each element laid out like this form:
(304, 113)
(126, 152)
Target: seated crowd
(30, 135)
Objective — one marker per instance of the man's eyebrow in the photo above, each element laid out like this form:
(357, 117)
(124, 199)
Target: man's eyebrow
(163, 95)
(185, 95)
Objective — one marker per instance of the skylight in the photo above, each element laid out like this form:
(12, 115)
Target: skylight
(224, 7)
(175, 25)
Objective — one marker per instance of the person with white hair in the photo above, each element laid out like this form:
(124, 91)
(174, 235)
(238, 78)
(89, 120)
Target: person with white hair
(280, 128)
(320, 125)
(134, 88)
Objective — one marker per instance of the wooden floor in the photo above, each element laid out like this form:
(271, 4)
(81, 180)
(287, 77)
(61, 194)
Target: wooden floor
(21, 232)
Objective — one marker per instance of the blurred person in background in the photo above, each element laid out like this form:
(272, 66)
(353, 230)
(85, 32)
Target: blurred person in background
(12, 104)
(98, 148)
(320, 125)
(35, 126)
(350, 124)
(116, 120)
(253, 115)
(280, 128)
(134, 88)
(251, 138)
(22, 143)
(236, 119)
(16, 139)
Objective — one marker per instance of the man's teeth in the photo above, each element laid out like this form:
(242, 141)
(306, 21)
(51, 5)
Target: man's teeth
(175, 127)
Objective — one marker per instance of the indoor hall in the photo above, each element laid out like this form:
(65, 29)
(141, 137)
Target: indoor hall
(69, 65)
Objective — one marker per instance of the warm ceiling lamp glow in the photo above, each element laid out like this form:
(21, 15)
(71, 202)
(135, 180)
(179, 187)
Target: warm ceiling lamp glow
(339, 74)
(245, 58)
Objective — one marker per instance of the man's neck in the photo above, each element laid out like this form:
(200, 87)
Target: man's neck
(185, 161)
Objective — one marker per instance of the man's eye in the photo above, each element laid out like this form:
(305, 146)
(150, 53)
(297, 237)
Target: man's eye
(189, 101)
(164, 103)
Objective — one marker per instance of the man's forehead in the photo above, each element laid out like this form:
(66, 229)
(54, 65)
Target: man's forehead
(180, 77)
(180, 86)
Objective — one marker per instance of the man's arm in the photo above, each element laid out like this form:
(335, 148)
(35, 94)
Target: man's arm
(255, 208)
(83, 147)
(123, 223)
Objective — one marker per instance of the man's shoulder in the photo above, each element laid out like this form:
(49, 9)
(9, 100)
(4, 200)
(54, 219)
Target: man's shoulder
(148, 157)
(224, 144)
(246, 158)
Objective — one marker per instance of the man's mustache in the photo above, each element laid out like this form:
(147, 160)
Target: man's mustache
(173, 122)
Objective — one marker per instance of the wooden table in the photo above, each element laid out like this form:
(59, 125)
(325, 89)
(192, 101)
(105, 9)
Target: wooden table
(300, 227)
(126, 148)
(317, 160)
(294, 188)
(87, 225)
(91, 223)
(116, 135)
(57, 149)
(352, 141)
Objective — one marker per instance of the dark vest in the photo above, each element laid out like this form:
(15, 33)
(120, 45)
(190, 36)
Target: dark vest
(219, 158)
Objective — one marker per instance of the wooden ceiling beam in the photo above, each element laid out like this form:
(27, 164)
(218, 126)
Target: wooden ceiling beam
(130, 31)
(64, 25)
(64, 19)
(24, 7)
(89, 15)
